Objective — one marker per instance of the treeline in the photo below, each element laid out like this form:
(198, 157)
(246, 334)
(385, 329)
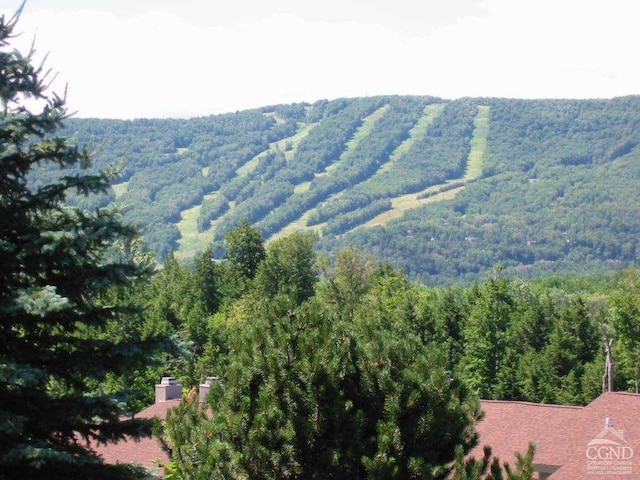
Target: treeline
(319, 149)
(539, 341)
(280, 327)
(167, 166)
(438, 155)
(556, 195)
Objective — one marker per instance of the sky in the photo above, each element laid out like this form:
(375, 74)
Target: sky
(169, 58)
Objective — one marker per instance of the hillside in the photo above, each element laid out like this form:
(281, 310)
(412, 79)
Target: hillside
(444, 189)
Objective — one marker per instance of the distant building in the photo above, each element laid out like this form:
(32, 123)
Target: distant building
(599, 441)
(596, 442)
(146, 451)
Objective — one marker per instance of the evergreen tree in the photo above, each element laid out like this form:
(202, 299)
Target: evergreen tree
(306, 395)
(484, 334)
(489, 468)
(208, 279)
(57, 264)
(624, 320)
(244, 251)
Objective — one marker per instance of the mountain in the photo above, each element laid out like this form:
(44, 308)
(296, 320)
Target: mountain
(445, 189)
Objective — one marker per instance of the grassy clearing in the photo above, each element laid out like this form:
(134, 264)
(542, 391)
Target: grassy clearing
(302, 187)
(299, 225)
(191, 241)
(248, 167)
(407, 202)
(275, 116)
(290, 144)
(474, 170)
(361, 133)
(478, 143)
(417, 131)
(287, 145)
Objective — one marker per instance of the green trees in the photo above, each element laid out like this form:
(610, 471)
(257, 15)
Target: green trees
(366, 374)
(489, 468)
(557, 195)
(289, 268)
(244, 251)
(624, 316)
(58, 265)
(327, 377)
(307, 395)
(485, 337)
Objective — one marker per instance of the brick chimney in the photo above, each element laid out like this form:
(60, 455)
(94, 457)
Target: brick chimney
(168, 389)
(204, 388)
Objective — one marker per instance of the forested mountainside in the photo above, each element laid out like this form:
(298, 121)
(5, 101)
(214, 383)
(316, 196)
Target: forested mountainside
(446, 190)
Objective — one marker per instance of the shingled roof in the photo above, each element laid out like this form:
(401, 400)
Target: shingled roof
(508, 427)
(596, 442)
(572, 443)
(145, 451)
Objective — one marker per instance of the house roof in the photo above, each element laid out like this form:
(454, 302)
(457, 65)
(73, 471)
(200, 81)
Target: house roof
(145, 451)
(599, 441)
(615, 418)
(509, 427)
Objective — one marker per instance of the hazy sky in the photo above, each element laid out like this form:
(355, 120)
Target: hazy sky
(183, 58)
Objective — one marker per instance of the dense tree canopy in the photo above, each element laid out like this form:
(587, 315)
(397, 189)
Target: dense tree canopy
(60, 266)
(293, 362)
(540, 186)
(306, 395)
(339, 368)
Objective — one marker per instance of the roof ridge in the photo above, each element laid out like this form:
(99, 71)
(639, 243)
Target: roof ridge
(534, 404)
(631, 394)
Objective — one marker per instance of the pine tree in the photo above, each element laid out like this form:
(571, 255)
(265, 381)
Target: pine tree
(489, 468)
(244, 251)
(305, 395)
(57, 266)
(485, 335)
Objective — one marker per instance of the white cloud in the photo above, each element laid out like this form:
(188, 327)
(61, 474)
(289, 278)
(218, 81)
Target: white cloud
(160, 58)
